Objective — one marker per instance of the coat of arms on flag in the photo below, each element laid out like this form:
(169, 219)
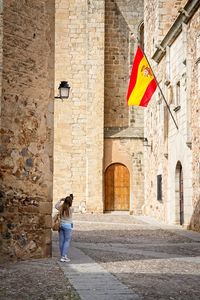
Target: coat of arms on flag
(142, 82)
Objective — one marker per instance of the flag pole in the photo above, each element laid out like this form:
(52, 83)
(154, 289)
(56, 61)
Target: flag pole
(160, 89)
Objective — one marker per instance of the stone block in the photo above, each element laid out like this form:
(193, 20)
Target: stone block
(45, 207)
(48, 221)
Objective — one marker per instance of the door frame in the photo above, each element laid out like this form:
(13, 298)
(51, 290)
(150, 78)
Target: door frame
(179, 194)
(129, 192)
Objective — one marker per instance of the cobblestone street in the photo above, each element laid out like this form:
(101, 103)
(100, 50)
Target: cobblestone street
(154, 261)
(112, 257)
(39, 279)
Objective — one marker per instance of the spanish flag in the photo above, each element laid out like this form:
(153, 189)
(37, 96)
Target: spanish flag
(142, 82)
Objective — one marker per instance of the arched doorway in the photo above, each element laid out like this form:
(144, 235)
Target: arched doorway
(179, 195)
(117, 188)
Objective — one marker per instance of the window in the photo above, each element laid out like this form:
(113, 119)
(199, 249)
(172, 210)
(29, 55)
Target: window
(159, 187)
(178, 88)
(141, 35)
(166, 121)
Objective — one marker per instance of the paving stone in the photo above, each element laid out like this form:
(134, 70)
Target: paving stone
(92, 281)
(154, 261)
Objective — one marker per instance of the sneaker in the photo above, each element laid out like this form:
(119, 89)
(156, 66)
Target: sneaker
(67, 259)
(64, 259)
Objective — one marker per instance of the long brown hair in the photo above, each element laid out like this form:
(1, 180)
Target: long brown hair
(65, 207)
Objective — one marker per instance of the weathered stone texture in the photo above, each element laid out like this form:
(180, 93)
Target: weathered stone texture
(26, 127)
(123, 126)
(132, 11)
(95, 106)
(116, 67)
(1, 49)
(119, 52)
(194, 57)
(159, 16)
(170, 147)
(93, 53)
(78, 145)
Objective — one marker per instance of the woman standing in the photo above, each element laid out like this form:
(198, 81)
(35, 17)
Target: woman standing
(65, 230)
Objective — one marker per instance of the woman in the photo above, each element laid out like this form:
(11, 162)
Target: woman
(65, 230)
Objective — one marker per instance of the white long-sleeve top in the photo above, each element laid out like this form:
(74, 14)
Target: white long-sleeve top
(64, 219)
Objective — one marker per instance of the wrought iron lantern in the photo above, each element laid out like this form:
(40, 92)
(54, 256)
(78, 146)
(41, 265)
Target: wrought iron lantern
(63, 89)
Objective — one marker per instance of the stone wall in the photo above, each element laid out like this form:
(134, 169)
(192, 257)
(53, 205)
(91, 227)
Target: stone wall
(123, 125)
(95, 105)
(78, 144)
(89, 35)
(26, 128)
(159, 16)
(194, 59)
(132, 11)
(1, 50)
(116, 67)
(167, 13)
(122, 22)
(71, 44)
(176, 73)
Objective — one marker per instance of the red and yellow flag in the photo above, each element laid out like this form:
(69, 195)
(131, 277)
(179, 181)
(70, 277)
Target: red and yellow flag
(142, 82)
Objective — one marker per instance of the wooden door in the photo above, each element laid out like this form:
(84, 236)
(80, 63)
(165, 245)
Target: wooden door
(117, 188)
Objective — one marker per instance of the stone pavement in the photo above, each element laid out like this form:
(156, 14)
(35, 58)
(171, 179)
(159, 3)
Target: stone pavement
(35, 279)
(112, 257)
(92, 281)
(126, 257)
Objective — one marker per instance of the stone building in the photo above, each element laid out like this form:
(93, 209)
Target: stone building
(172, 162)
(98, 140)
(91, 145)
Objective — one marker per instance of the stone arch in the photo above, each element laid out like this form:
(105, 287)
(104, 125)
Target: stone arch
(179, 195)
(117, 188)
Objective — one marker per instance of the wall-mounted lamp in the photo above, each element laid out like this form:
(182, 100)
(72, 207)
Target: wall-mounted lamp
(146, 144)
(63, 90)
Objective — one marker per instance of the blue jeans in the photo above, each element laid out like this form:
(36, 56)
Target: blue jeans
(65, 235)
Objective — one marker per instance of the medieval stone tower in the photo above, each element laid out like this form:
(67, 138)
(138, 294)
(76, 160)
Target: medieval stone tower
(98, 140)
(27, 98)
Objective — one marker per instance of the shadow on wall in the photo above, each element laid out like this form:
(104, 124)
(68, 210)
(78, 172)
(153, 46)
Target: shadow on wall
(195, 219)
